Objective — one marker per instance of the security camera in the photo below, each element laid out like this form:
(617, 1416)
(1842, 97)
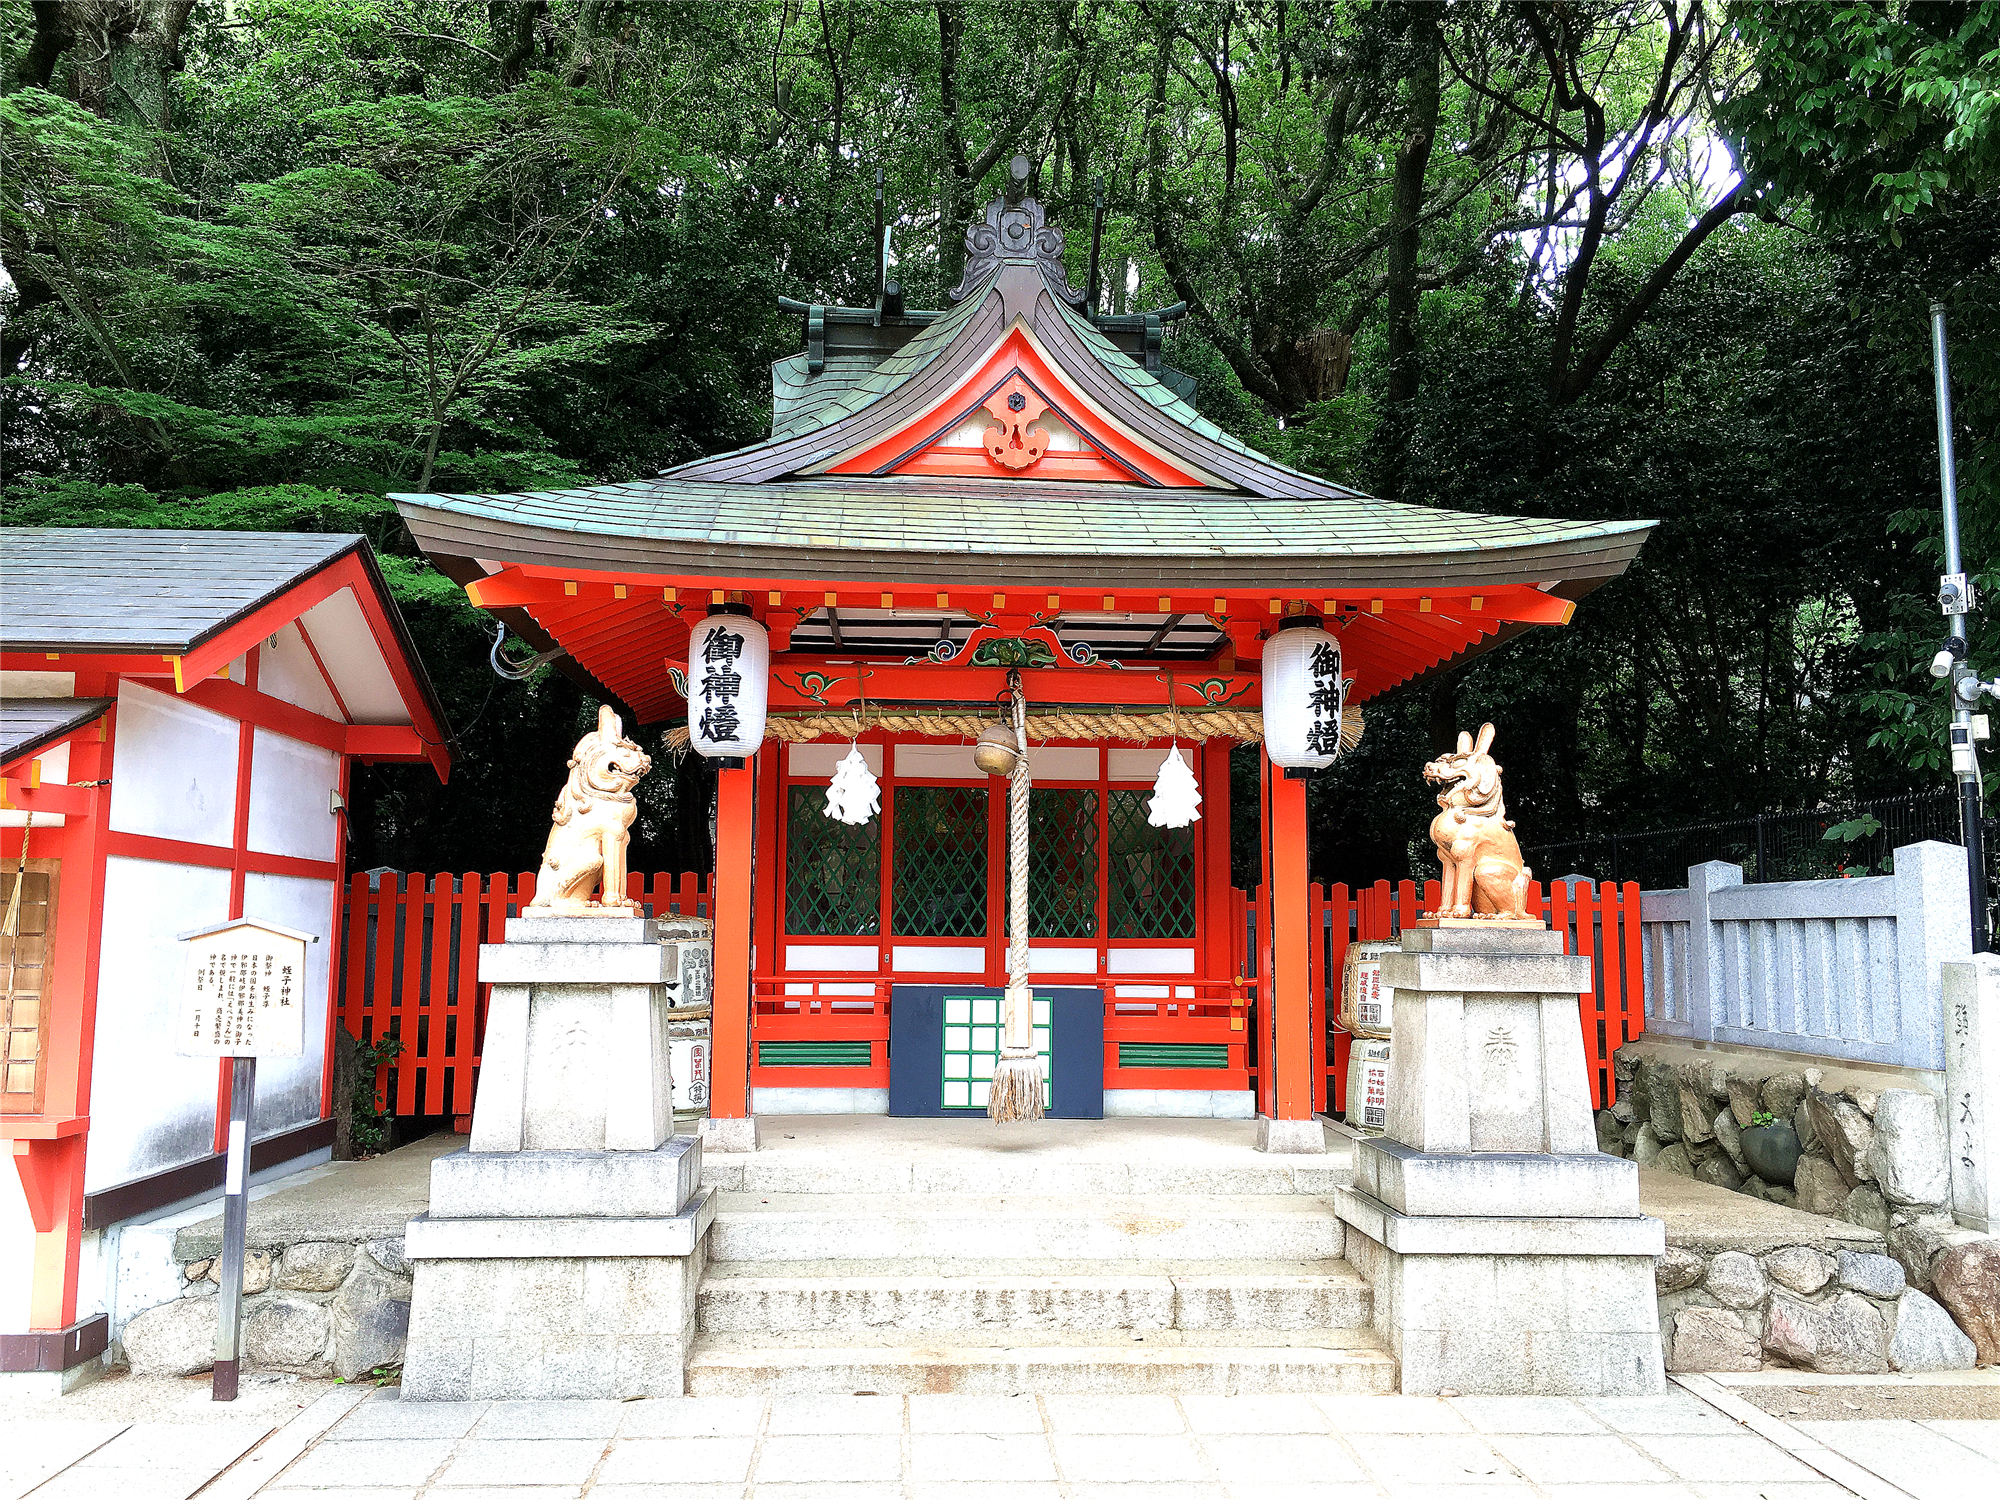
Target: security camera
(1941, 663)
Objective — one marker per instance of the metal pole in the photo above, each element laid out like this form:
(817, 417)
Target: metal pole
(235, 1220)
(1965, 755)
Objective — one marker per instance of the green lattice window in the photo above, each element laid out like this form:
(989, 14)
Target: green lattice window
(833, 871)
(972, 1029)
(940, 875)
(1062, 862)
(1152, 872)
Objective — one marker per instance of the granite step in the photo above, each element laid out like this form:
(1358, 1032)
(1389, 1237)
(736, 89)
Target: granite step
(987, 1303)
(1345, 1362)
(959, 1228)
(987, 1173)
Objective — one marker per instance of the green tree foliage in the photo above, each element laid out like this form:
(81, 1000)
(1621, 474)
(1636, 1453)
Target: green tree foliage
(274, 262)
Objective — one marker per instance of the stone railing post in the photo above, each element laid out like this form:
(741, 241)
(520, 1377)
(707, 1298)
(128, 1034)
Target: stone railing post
(1933, 927)
(1705, 944)
(1972, 1089)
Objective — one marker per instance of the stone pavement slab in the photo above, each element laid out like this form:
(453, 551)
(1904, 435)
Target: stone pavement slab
(1913, 1455)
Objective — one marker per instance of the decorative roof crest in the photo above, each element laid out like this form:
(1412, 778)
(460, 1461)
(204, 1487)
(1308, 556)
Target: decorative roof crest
(1014, 230)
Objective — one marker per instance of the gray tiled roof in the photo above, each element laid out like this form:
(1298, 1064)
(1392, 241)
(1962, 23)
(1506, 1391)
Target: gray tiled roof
(91, 589)
(27, 724)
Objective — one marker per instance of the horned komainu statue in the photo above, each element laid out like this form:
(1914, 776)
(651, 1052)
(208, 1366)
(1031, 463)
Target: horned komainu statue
(593, 826)
(1483, 873)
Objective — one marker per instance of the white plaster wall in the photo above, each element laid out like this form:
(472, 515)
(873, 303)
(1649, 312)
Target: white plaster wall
(286, 670)
(291, 783)
(55, 767)
(288, 1088)
(346, 644)
(173, 772)
(37, 684)
(149, 1107)
(17, 1253)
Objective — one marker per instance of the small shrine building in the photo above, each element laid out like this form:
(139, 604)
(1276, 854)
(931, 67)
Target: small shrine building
(1014, 485)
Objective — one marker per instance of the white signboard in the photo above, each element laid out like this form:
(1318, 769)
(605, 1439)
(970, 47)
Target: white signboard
(243, 991)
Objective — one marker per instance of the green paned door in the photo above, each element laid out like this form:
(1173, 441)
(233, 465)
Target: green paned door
(972, 1048)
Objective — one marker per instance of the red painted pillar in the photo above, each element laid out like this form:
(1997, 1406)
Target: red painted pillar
(1288, 981)
(735, 854)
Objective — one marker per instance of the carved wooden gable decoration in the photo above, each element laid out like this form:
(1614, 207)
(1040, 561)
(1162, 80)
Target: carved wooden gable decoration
(1017, 416)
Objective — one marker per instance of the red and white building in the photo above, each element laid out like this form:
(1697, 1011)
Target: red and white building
(180, 712)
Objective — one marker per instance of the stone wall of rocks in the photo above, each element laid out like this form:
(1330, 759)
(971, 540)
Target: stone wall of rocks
(1838, 1312)
(312, 1308)
(1874, 1158)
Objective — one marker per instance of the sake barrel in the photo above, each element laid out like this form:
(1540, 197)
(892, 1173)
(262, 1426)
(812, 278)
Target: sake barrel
(1368, 1085)
(1364, 1004)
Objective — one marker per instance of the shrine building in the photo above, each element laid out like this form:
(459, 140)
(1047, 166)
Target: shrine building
(1012, 488)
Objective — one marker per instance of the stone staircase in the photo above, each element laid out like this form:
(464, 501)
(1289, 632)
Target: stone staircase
(993, 1272)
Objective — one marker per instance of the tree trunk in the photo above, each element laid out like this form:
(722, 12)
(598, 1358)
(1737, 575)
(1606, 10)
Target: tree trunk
(1413, 160)
(954, 168)
(131, 49)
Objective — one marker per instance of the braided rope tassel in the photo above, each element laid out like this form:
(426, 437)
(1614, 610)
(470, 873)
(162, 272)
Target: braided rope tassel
(1016, 1093)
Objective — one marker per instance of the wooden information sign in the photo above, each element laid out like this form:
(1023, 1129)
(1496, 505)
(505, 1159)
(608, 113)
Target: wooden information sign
(242, 997)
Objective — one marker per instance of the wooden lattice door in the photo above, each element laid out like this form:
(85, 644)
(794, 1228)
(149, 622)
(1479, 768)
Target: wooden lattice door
(27, 934)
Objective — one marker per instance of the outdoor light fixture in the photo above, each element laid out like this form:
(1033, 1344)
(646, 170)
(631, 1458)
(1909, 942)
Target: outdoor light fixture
(1303, 695)
(728, 674)
(997, 751)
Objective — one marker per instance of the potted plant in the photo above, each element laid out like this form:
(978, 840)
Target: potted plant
(1771, 1147)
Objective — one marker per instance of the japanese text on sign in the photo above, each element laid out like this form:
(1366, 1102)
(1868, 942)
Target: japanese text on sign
(243, 995)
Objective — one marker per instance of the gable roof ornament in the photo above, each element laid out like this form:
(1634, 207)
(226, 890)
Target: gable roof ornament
(1015, 229)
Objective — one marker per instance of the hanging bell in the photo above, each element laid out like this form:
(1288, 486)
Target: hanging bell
(996, 751)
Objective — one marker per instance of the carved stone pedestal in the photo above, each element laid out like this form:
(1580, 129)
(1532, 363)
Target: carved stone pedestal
(561, 1253)
(1507, 1255)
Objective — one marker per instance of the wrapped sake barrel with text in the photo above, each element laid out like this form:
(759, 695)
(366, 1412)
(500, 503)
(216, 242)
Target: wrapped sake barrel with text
(1368, 1085)
(1364, 1004)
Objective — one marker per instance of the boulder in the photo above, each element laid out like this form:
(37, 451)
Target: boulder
(1845, 1336)
(371, 1323)
(388, 1254)
(1679, 1267)
(1781, 1094)
(175, 1338)
(1621, 1109)
(1697, 1114)
(1712, 1338)
(1843, 1133)
(1865, 1207)
(1624, 1064)
(1660, 1099)
(1720, 1172)
(286, 1332)
(1743, 1102)
(1674, 1159)
(1729, 1135)
(1865, 1100)
(1647, 1147)
(1877, 1275)
(1799, 1267)
(1908, 1155)
(1927, 1339)
(315, 1266)
(1610, 1135)
(1820, 1187)
(1802, 1127)
(1966, 1279)
(1736, 1280)
(256, 1272)
(1916, 1248)
(1628, 1138)
(1778, 1193)
(197, 1270)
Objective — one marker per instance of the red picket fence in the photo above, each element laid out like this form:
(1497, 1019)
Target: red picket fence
(409, 967)
(410, 958)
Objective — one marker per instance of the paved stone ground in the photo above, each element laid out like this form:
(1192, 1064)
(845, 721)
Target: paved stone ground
(356, 1445)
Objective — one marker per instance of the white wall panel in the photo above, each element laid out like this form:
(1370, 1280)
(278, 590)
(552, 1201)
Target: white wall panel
(819, 759)
(288, 1088)
(932, 762)
(1143, 765)
(149, 1108)
(286, 670)
(37, 684)
(55, 767)
(1150, 960)
(173, 771)
(906, 958)
(291, 784)
(341, 635)
(851, 958)
(1063, 762)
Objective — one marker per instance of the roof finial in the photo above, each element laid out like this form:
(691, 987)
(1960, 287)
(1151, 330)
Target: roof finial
(1015, 229)
(1017, 180)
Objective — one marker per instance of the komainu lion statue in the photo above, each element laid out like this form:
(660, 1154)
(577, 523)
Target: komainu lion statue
(1483, 873)
(593, 826)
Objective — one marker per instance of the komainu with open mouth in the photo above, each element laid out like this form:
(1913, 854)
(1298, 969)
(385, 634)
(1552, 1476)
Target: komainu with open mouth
(593, 826)
(1483, 873)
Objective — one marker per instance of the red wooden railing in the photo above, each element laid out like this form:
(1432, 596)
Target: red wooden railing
(410, 959)
(409, 967)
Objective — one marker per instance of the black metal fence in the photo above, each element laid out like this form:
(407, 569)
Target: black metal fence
(1769, 846)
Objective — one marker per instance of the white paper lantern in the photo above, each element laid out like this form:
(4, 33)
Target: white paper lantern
(729, 681)
(1176, 798)
(1304, 694)
(854, 795)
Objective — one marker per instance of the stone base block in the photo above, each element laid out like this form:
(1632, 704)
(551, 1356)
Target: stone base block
(730, 1135)
(567, 1184)
(1512, 1307)
(551, 1327)
(1495, 1184)
(1291, 1137)
(46, 1385)
(431, 1238)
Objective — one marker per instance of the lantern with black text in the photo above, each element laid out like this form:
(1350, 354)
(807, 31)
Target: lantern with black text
(728, 674)
(1304, 695)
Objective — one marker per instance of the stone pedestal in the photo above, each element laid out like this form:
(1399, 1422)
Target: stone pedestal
(1507, 1255)
(1972, 1089)
(561, 1252)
